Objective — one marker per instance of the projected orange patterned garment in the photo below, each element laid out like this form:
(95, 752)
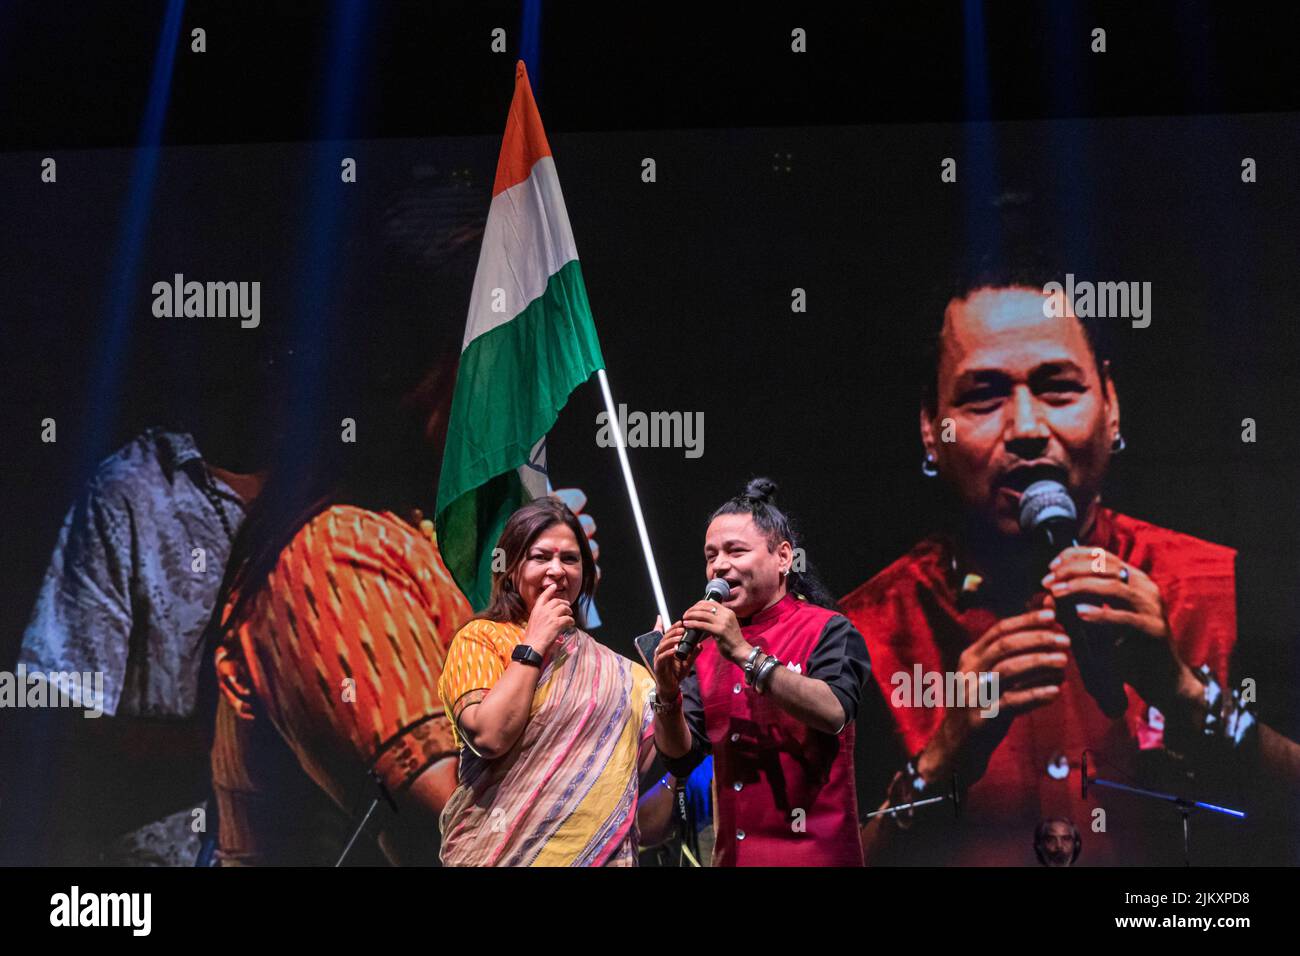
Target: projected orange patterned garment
(342, 650)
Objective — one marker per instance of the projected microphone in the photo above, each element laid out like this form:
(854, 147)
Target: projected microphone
(718, 590)
(1049, 518)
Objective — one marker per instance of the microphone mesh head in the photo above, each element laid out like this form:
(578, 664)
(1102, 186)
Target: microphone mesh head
(718, 590)
(1044, 501)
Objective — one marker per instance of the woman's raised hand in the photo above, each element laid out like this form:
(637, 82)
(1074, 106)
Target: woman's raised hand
(550, 618)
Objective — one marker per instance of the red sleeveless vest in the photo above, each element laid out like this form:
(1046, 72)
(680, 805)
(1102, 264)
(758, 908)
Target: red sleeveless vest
(784, 793)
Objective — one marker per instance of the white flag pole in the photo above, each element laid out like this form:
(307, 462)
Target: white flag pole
(620, 444)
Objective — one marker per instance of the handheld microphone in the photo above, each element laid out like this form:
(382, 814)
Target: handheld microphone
(1048, 517)
(719, 591)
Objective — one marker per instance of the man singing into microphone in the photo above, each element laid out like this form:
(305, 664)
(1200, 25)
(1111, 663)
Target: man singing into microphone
(1019, 394)
(773, 697)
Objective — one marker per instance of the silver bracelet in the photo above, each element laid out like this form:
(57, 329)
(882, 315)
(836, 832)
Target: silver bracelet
(748, 666)
(770, 663)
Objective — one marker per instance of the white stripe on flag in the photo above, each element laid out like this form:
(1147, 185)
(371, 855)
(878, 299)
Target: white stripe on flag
(527, 240)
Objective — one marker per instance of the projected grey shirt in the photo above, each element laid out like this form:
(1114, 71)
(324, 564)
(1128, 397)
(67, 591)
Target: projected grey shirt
(134, 577)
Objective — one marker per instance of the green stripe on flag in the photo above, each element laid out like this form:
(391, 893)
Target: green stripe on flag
(469, 529)
(511, 385)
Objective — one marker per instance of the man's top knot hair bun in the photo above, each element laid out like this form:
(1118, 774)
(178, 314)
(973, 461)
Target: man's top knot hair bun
(757, 501)
(761, 490)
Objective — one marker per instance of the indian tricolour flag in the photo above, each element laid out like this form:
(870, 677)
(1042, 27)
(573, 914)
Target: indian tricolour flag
(529, 342)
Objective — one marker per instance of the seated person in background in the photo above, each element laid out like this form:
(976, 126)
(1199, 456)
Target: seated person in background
(665, 832)
(1057, 842)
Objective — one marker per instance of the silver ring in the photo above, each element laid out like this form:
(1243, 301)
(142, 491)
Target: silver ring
(1123, 575)
(713, 610)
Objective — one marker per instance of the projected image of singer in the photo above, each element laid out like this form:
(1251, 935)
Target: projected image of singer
(774, 695)
(1018, 396)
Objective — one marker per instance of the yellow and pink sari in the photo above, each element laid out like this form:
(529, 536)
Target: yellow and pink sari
(566, 794)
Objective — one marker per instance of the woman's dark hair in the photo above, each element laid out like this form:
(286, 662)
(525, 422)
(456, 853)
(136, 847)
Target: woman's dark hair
(523, 528)
(758, 501)
(391, 466)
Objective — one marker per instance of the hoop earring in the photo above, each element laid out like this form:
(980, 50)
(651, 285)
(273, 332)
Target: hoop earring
(1118, 444)
(929, 466)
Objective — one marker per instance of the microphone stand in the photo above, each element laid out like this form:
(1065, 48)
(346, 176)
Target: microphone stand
(374, 804)
(1183, 805)
(927, 801)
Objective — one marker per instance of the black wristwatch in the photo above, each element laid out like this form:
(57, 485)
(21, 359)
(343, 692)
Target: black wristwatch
(526, 655)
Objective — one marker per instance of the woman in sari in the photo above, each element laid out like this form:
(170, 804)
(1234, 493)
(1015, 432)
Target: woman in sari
(552, 725)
